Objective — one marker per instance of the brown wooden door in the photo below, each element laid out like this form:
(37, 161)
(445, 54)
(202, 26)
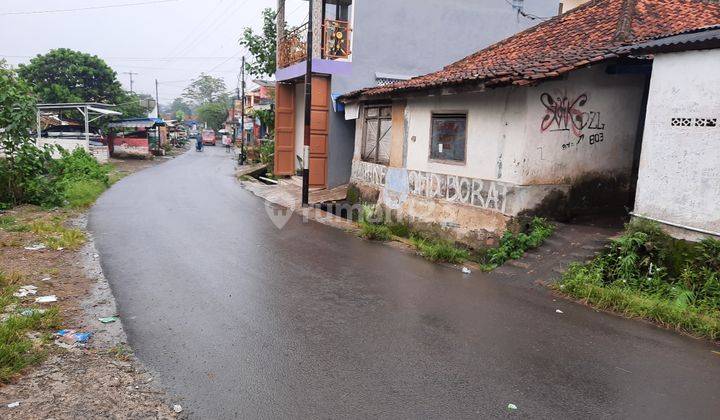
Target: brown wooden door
(285, 129)
(319, 128)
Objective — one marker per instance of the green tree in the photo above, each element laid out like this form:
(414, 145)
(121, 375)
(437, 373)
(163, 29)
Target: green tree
(206, 89)
(133, 105)
(23, 164)
(214, 114)
(64, 75)
(267, 117)
(262, 46)
(178, 104)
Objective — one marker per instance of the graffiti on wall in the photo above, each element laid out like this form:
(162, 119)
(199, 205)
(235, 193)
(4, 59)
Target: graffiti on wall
(456, 189)
(570, 114)
(369, 173)
(486, 194)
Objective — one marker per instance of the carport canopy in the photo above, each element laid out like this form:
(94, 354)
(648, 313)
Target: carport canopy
(90, 111)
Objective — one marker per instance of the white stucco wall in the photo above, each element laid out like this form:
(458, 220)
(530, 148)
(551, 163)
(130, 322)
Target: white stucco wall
(601, 142)
(507, 140)
(679, 179)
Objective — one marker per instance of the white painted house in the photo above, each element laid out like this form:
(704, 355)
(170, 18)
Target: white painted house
(546, 122)
(679, 177)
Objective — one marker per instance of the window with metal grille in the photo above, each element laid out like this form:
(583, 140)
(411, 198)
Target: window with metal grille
(447, 139)
(377, 134)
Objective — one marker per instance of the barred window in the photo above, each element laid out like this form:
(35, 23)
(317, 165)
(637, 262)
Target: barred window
(447, 139)
(377, 134)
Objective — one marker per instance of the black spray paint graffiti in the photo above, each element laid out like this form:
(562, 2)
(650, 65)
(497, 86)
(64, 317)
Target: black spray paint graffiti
(563, 113)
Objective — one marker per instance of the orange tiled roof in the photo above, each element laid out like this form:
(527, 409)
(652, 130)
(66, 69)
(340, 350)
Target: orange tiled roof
(593, 32)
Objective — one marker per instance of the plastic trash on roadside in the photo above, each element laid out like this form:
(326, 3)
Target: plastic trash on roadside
(512, 406)
(177, 408)
(466, 270)
(13, 404)
(31, 312)
(108, 319)
(25, 290)
(35, 247)
(558, 311)
(72, 336)
(46, 299)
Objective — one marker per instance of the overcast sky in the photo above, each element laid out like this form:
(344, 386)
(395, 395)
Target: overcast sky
(168, 40)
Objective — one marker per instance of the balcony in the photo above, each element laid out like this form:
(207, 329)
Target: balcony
(336, 43)
(336, 39)
(292, 48)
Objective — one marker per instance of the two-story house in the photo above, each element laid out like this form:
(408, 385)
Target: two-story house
(360, 43)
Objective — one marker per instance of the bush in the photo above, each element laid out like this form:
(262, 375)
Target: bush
(75, 179)
(513, 246)
(439, 250)
(649, 274)
(375, 232)
(371, 226)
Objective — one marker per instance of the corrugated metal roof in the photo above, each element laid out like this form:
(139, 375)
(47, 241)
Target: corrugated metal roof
(705, 38)
(137, 122)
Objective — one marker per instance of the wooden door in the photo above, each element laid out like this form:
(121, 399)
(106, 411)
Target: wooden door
(285, 129)
(319, 129)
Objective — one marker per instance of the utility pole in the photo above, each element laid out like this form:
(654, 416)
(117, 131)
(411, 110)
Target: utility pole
(242, 114)
(235, 120)
(131, 74)
(157, 107)
(308, 110)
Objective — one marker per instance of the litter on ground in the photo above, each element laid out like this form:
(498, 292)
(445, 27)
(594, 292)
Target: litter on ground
(31, 312)
(46, 299)
(25, 290)
(35, 247)
(14, 404)
(466, 270)
(558, 311)
(72, 336)
(108, 319)
(177, 408)
(512, 406)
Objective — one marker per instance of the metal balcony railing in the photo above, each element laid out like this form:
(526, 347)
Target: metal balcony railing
(292, 48)
(336, 36)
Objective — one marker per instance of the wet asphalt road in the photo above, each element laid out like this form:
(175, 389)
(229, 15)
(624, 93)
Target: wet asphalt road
(242, 320)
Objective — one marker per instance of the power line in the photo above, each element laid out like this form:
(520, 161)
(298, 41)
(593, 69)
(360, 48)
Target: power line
(217, 24)
(110, 6)
(135, 58)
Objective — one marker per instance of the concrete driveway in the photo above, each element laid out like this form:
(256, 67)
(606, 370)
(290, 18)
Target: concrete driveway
(243, 320)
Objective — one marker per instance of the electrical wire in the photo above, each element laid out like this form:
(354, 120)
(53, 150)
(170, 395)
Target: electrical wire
(521, 11)
(219, 21)
(79, 9)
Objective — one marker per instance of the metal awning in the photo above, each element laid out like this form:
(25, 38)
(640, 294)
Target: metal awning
(103, 111)
(90, 111)
(137, 122)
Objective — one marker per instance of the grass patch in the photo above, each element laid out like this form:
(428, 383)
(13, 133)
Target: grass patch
(371, 224)
(83, 193)
(647, 274)
(400, 229)
(10, 224)
(439, 250)
(55, 235)
(514, 245)
(18, 349)
(375, 232)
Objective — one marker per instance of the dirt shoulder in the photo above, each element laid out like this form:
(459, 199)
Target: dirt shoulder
(99, 379)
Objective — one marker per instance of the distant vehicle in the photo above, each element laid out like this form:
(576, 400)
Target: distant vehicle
(208, 137)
